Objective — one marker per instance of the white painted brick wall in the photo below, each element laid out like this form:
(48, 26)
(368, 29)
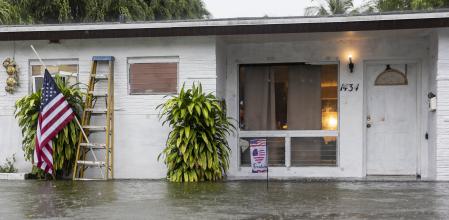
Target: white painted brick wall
(442, 118)
(139, 135)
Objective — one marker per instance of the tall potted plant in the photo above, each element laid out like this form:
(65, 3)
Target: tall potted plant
(196, 148)
(64, 145)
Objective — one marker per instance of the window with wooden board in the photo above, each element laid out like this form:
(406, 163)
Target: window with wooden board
(67, 69)
(153, 78)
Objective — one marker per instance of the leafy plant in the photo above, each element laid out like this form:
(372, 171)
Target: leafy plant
(69, 11)
(64, 144)
(402, 5)
(8, 13)
(331, 7)
(196, 148)
(8, 166)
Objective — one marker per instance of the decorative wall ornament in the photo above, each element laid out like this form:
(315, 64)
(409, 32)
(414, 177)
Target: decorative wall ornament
(391, 77)
(11, 70)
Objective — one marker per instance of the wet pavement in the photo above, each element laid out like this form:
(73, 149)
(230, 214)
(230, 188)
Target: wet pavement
(224, 200)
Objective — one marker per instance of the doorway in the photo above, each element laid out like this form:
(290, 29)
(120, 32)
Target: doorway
(391, 119)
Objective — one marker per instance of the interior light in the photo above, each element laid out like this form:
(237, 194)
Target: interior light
(332, 122)
(329, 120)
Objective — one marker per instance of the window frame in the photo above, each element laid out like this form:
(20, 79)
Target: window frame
(50, 62)
(33, 83)
(288, 134)
(150, 60)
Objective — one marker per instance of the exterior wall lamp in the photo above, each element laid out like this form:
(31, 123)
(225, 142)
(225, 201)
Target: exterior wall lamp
(351, 64)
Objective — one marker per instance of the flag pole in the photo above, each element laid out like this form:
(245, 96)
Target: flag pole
(39, 57)
(76, 119)
(43, 64)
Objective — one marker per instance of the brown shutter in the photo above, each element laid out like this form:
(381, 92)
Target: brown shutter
(147, 78)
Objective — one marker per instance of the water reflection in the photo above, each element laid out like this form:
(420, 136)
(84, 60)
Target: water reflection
(223, 200)
(44, 199)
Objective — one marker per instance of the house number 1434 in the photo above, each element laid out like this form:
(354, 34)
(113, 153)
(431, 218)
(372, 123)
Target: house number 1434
(349, 87)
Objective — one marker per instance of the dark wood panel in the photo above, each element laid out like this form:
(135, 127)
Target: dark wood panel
(146, 78)
(156, 83)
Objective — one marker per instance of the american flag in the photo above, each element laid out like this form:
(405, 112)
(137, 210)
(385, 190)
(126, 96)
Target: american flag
(258, 152)
(55, 113)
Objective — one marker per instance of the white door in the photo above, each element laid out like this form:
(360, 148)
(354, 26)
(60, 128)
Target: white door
(391, 123)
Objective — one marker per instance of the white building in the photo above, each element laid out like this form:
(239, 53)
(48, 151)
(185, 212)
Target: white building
(285, 79)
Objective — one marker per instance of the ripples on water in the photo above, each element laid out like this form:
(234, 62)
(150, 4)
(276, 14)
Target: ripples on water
(223, 200)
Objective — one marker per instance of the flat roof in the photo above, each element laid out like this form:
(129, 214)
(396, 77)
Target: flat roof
(232, 26)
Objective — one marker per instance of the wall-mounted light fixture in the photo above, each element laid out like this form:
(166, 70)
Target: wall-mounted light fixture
(351, 64)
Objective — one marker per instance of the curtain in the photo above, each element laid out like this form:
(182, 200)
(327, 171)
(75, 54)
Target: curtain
(260, 108)
(304, 98)
(260, 113)
(304, 111)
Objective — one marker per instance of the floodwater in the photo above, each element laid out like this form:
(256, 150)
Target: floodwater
(223, 200)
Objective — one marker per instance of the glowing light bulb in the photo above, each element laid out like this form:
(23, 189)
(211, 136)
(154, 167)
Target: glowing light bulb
(332, 122)
(329, 120)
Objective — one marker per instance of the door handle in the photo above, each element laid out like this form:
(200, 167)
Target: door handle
(368, 121)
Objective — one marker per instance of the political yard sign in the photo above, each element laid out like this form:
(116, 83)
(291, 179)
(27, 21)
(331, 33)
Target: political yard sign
(259, 159)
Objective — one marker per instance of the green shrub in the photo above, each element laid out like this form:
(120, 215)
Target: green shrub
(65, 143)
(8, 166)
(196, 148)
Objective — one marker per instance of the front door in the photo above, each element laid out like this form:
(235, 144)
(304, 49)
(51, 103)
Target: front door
(391, 122)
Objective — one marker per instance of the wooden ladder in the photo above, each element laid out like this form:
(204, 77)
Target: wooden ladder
(91, 155)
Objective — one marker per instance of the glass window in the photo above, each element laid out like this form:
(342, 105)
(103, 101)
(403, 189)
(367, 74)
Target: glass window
(68, 71)
(314, 151)
(276, 151)
(295, 106)
(288, 97)
(63, 69)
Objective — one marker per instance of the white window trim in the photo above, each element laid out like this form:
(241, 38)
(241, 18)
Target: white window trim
(160, 59)
(149, 60)
(34, 89)
(33, 83)
(288, 135)
(54, 62)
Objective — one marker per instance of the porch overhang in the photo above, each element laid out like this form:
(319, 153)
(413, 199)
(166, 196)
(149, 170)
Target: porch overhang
(220, 27)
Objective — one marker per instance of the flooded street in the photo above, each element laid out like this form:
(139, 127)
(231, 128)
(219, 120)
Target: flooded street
(224, 200)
